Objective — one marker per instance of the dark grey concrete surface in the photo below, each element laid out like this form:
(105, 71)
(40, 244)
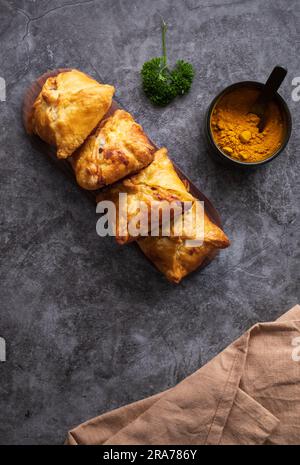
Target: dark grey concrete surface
(90, 326)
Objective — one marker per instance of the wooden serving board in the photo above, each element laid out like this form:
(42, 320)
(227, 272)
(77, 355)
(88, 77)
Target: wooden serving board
(65, 164)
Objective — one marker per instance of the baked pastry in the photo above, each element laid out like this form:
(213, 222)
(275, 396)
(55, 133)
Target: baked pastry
(157, 188)
(176, 257)
(118, 148)
(68, 108)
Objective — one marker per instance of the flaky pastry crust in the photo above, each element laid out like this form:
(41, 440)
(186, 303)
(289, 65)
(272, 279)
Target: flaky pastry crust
(118, 148)
(68, 108)
(157, 184)
(174, 258)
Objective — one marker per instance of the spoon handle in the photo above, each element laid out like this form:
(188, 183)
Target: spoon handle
(273, 83)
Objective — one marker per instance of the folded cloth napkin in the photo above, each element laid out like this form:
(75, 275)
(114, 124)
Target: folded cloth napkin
(248, 394)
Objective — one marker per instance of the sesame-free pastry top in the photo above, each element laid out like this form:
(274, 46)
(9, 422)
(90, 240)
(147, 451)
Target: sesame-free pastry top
(67, 110)
(117, 148)
(156, 186)
(176, 257)
(108, 150)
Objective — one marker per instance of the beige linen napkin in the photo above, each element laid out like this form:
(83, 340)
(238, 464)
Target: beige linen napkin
(248, 394)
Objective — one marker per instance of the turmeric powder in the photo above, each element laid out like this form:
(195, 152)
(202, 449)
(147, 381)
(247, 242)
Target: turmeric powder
(235, 130)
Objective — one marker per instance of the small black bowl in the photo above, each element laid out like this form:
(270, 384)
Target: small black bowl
(220, 156)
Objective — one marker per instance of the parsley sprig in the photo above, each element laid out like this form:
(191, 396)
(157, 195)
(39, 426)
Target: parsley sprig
(162, 84)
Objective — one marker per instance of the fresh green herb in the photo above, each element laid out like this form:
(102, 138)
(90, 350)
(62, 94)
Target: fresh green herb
(162, 85)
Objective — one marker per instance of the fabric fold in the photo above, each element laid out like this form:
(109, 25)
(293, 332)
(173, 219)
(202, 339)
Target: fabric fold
(233, 399)
(248, 423)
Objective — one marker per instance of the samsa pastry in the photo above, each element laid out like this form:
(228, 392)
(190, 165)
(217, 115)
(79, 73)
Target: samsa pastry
(119, 147)
(145, 200)
(68, 108)
(176, 257)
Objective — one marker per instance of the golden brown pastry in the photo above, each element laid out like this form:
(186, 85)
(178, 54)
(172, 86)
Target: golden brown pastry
(172, 255)
(68, 108)
(156, 186)
(118, 148)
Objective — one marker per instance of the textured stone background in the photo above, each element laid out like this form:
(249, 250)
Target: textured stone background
(91, 326)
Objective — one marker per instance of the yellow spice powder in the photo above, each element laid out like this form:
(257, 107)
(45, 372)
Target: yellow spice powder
(235, 130)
